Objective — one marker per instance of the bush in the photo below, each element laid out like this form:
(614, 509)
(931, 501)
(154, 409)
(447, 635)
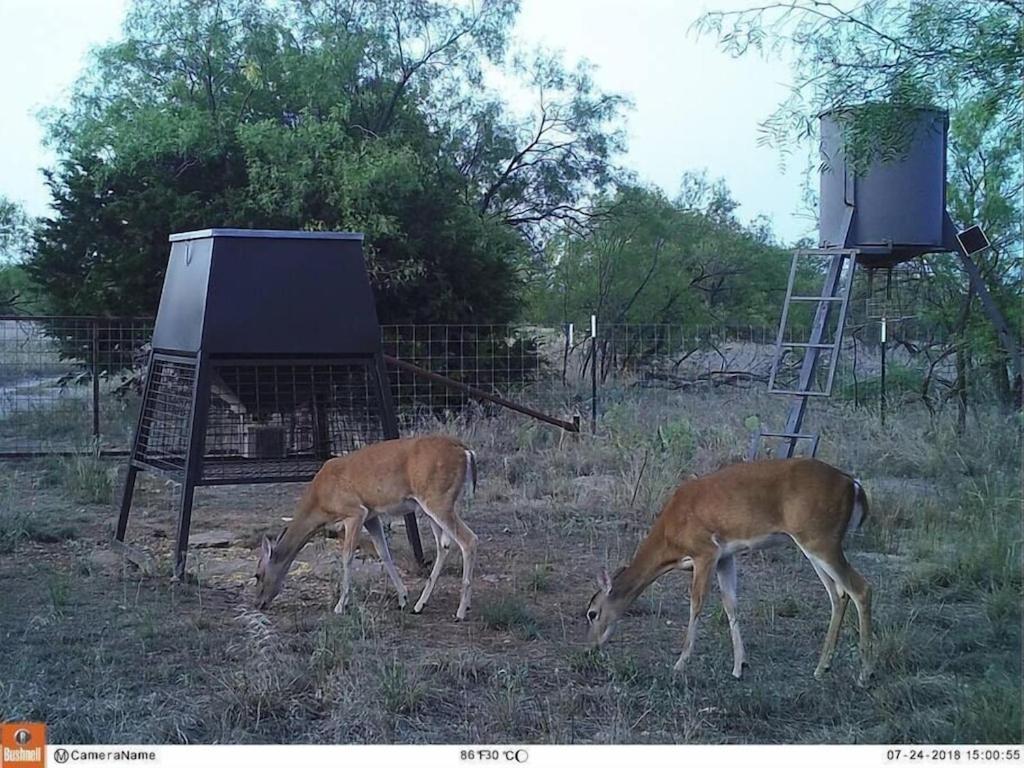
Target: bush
(900, 381)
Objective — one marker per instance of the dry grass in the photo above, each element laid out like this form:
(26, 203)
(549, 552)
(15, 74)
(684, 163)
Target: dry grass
(153, 661)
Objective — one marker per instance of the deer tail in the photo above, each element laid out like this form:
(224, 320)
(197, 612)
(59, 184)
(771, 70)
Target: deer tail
(860, 507)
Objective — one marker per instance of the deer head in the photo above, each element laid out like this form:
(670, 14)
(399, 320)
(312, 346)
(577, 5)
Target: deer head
(604, 610)
(270, 571)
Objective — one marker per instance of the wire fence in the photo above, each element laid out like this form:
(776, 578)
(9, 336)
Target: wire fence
(66, 382)
(72, 384)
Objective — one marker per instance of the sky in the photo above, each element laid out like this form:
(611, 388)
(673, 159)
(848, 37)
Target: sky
(694, 107)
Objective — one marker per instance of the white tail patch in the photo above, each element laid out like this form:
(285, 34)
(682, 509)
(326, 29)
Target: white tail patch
(859, 508)
(470, 481)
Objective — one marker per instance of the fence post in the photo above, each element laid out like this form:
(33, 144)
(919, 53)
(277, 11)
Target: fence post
(881, 380)
(96, 385)
(593, 374)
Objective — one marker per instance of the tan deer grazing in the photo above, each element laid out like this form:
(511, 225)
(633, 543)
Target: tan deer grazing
(387, 478)
(744, 506)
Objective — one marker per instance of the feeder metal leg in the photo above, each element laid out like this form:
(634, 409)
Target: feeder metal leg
(193, 461)
(184, 523)
(126, 503)
(412, 530)
(137, 443)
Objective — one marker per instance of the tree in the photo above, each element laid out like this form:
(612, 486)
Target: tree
(315, 114)
(16, 289)
(883, 52)
(15, 231)
(686, 261)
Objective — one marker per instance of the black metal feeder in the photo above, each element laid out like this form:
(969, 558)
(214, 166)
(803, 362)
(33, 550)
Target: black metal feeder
(266, 362)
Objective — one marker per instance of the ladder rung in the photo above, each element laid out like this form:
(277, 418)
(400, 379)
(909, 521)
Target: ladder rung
(801, 392)
(790, 435)
(802, 345)
(816, 298)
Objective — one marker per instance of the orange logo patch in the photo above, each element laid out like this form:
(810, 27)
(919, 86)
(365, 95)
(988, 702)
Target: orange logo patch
(22, 745)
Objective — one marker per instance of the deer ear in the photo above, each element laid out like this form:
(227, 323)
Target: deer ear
(280, 536)
(604, 581)
(266, 548)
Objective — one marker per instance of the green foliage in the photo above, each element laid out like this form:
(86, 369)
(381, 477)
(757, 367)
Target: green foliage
(899, 380)
(313, 115)
(678, 439)
(881, 52)
(651, 259)
(15, 231)
(18, 293)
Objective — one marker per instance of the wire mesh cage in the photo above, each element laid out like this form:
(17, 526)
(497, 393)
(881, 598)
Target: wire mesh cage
(272, 420)
(267, 421)
(162, 439)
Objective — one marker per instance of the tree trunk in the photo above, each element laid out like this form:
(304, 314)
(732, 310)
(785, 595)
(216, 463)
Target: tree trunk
(961, 389)
(1001, 380)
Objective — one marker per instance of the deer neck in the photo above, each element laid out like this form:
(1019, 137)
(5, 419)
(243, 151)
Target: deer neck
(294, 539)
(650, 561)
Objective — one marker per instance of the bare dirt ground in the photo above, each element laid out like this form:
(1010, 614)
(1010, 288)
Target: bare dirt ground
(104, 651)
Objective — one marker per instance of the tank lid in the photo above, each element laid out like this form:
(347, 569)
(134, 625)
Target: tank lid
(268, 234)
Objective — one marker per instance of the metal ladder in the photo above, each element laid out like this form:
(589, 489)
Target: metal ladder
(836, 289)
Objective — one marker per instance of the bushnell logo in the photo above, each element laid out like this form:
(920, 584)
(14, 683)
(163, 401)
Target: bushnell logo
(23, 745)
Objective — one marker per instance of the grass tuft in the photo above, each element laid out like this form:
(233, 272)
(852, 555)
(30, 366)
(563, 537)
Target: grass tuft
(540, 578)
(509, 613)
(401, 692)
(87, 479)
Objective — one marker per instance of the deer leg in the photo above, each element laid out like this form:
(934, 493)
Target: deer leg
(348, 550)
(459, 532)
(854, 585)
(725, 570)
(380, 543)
(466, 540)
(698, 589)
(838, 599)
(443, 544)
